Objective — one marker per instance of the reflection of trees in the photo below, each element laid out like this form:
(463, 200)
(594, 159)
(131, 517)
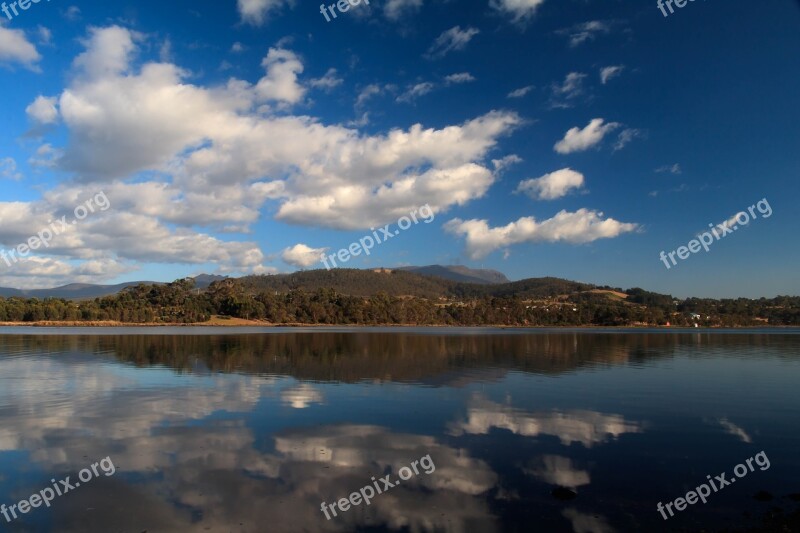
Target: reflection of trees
(356, 355)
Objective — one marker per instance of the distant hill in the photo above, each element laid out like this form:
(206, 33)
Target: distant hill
(459, 273)
(73, 291)
(401, 282)
(87, 291)
(427, 282)
(352, 282)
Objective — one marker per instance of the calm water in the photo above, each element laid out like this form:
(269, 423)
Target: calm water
(253, 431)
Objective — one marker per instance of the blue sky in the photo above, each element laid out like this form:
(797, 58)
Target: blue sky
(576, 139)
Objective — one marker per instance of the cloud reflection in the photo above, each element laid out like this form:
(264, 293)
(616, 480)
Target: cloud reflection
(189, 459)
(582, 426)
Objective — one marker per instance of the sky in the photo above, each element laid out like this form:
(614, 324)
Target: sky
(571, 138)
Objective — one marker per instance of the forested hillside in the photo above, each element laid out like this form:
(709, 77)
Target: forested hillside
(355, 297)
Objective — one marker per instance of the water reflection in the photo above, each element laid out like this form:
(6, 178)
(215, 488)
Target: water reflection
(253, 433)
(585, 427)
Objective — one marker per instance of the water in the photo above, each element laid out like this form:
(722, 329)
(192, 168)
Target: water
(252, 430)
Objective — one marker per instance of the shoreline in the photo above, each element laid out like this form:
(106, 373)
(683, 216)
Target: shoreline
(243, 323)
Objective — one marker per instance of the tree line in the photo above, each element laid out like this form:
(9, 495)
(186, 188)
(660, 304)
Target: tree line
(181, 302)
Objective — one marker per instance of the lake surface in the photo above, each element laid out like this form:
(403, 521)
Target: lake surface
(508, 430)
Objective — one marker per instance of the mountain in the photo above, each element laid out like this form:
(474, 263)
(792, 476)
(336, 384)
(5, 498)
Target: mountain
(88, 291)
(73, 291)
(459, 273)
(204, 280)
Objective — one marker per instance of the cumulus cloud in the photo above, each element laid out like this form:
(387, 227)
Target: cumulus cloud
(579, 140)
(520, 10)
(209, 138)
(43, 110)
(579, 227)
(16, 48)
(256, 11)
(301, 255)
(280, 84)
(451, 40)
(608, 73)
(183, 163)
(108, 52)
(553, 185)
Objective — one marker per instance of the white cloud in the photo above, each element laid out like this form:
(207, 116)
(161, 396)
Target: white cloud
(609, 73)
(280, 84)
(44, 34)
(522, 91)
(505, 162)
(578, 140)
(460, 77)
(16, 48)
(183, 163)
(586, 31)
(43, 110)
(520, 10)
(553, 185)
(415, 91)
(451, 40)
(579, 227)
(256, 11)
(328, 81)
(366, 93)
(626, 136)
(302, 256)
(108, 51)
(72, 13)
(8, 169)
(396, 9)
(565, 93)
(672, 169)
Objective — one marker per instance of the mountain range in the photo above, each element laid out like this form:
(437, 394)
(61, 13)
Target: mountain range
(87, 291)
